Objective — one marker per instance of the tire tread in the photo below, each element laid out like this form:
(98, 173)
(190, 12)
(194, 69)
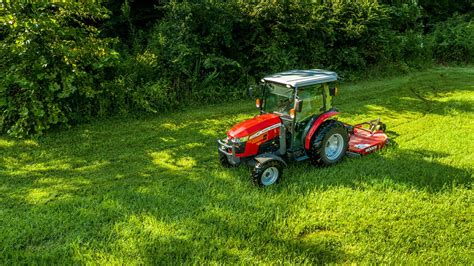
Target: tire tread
(260, 168)
(316, 148)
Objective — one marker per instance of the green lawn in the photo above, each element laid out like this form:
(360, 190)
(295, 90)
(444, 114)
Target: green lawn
(151, 190)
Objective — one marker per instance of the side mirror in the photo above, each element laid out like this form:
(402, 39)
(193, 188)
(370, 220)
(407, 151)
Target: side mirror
(299, 106)
(250, 92)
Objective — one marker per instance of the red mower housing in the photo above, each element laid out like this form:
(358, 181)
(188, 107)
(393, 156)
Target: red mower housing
(364, 141)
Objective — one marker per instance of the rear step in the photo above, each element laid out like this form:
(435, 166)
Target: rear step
(302, 158)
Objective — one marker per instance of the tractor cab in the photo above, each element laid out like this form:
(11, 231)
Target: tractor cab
(297, 122)
(298, 97)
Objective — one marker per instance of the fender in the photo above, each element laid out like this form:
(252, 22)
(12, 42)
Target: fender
(262, 158)
(323, 117)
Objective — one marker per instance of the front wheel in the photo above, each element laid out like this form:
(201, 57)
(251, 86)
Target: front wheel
(224, 161)
(330, 144)
(267, 173)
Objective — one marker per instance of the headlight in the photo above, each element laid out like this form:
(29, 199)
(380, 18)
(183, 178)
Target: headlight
(240, 140)
(244, 139)
(239, 144)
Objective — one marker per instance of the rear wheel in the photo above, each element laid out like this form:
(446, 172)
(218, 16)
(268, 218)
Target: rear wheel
(330, 143)
(267, 173)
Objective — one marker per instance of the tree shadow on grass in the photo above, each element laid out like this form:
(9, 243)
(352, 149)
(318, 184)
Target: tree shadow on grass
(163, 211)
(148, 192)
(395, 168)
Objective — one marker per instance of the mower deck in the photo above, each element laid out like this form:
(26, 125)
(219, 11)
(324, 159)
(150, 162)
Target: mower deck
(363, 141)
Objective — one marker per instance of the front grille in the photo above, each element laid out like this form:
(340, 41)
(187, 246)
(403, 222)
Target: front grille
(239, 147)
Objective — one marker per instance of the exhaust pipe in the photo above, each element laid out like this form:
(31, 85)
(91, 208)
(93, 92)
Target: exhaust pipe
(282, 139)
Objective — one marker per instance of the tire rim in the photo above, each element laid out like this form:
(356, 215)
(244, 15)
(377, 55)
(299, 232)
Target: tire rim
(269, 176)
(334, 146)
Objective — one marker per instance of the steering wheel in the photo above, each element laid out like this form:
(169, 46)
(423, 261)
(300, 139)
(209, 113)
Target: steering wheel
(283, 105)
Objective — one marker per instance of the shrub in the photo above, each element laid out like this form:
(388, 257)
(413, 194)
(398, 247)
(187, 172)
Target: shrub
(54, 67)
(454, 40)
(195, 47)
(58, 68)
(139, 86)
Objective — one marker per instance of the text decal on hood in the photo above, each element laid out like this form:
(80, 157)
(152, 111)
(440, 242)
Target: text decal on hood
(264, 131)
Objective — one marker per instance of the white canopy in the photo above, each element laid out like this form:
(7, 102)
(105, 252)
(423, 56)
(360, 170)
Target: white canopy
(301, 78)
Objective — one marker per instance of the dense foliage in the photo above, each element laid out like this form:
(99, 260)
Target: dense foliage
(54, 67)
(454, 40)
(65, 63)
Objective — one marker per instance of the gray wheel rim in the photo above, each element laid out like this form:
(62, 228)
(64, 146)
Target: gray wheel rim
(269, 176)
(334, 146)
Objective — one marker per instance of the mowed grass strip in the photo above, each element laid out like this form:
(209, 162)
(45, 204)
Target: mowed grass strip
(150, 190)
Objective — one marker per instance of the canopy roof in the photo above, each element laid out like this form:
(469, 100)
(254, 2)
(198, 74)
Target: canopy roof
(301, 78)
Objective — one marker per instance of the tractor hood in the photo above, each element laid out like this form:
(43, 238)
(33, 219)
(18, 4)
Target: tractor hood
(253, 125)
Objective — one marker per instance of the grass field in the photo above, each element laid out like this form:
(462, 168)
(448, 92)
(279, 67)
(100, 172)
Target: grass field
(151, 190)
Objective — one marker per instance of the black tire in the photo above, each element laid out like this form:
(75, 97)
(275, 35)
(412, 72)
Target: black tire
(264, 168)
(319, 142)
(223, 160)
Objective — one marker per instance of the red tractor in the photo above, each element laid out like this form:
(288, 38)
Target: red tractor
(297, 122)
